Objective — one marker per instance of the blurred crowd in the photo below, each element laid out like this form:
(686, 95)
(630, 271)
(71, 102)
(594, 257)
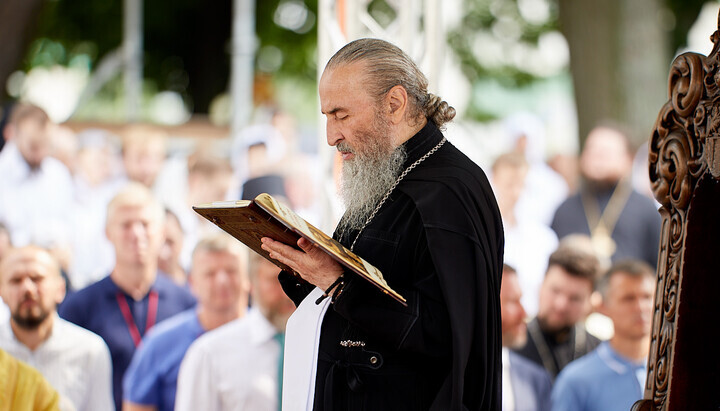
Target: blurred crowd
(579, 276)
(99, 244)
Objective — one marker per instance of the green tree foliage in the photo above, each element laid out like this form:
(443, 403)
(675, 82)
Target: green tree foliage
(186, 42)
(508, 22)
(503, 21)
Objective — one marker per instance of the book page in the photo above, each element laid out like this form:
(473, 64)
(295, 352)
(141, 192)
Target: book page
(307, 230)
(250, 221)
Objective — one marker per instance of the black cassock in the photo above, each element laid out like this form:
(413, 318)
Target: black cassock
(438, 241)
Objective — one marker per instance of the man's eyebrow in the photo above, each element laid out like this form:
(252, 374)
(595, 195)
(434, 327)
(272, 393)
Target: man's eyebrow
(332, 111)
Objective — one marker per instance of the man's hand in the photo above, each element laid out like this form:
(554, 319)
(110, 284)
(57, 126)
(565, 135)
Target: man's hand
(313, 264)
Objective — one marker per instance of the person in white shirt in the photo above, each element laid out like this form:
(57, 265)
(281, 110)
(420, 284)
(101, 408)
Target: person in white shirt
(36, 190)
(96, 181)
(5, 246)
(544, 188)
(528, 243)
(75, 361)
(236, 366)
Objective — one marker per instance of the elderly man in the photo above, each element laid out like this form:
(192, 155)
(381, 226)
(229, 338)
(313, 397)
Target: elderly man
(618, 366)
(424, 214)
(75, 361)
(209, 378)
(123, 306)
(218, 278)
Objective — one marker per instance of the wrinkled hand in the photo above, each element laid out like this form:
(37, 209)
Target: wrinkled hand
(313, 264)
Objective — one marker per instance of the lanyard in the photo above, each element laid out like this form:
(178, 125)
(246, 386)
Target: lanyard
(130, 322)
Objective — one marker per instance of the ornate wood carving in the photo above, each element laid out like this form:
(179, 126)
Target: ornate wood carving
(684, 172)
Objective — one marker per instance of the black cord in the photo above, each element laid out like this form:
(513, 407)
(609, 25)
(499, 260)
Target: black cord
(337, 285)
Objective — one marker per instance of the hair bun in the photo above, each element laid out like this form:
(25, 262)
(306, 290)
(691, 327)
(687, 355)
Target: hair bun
(438, 110)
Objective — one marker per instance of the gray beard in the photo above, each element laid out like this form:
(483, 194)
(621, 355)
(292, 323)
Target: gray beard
(365, 180)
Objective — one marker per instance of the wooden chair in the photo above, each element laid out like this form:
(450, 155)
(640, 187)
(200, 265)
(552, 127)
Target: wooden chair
(683, 366)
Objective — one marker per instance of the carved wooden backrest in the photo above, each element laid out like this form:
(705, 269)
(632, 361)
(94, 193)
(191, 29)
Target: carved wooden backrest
(684, 365)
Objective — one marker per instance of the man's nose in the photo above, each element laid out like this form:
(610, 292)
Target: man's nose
(333, 134)
(561, 302)
(28, 286)
(222, 275)
(138, 230)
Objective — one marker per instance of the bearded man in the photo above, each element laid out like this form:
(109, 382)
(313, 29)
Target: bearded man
(526, 386)
(424, 214)
(621, 222)
(74, 361)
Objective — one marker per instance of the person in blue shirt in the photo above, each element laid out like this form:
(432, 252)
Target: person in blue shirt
(123, 306)
(219, 280)
(612, 377)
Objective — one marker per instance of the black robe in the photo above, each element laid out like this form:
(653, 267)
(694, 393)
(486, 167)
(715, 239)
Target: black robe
(636, 233)
(438, 240)
(564, 347)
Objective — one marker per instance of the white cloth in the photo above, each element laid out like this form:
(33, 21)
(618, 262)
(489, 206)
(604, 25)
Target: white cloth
(93, 254)
(233, 367)
(528, 246)
(508, 399)
(35, 205)
(75, 362)
(544, 191)
(302, 339)
(4, 312)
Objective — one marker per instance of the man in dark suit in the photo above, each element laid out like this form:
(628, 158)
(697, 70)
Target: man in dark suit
(526, 386)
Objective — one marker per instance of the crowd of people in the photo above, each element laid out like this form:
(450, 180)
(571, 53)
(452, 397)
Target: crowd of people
(99, 245)
(121, 297)
(577, 289)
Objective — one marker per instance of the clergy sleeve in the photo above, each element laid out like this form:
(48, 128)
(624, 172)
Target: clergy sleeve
(295, 288)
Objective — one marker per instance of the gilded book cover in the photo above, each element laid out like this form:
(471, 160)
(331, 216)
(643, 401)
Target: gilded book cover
(249, 221)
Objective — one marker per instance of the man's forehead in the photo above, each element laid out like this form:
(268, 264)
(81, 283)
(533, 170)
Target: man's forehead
(205, 258)
(559, 275)
(32, 124)
(510, 285)
(129, 211)
(341, 87)
(27, 262)
(622, 281)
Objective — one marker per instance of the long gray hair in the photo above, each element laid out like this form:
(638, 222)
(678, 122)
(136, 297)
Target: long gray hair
(388, 66)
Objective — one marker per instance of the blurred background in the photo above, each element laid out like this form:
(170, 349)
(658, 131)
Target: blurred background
(225, 91)
(571, 62)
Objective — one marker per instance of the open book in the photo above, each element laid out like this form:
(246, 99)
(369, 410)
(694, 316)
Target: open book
(249, 221)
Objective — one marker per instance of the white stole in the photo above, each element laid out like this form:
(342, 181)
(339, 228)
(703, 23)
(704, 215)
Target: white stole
(302, 340)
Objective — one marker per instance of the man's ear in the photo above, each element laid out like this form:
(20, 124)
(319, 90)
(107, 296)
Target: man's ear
(61, 290)
(397, 101)
(9, 132)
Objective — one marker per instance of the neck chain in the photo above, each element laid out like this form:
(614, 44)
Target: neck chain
(603, 224)
(549, 360)
(390, 190)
